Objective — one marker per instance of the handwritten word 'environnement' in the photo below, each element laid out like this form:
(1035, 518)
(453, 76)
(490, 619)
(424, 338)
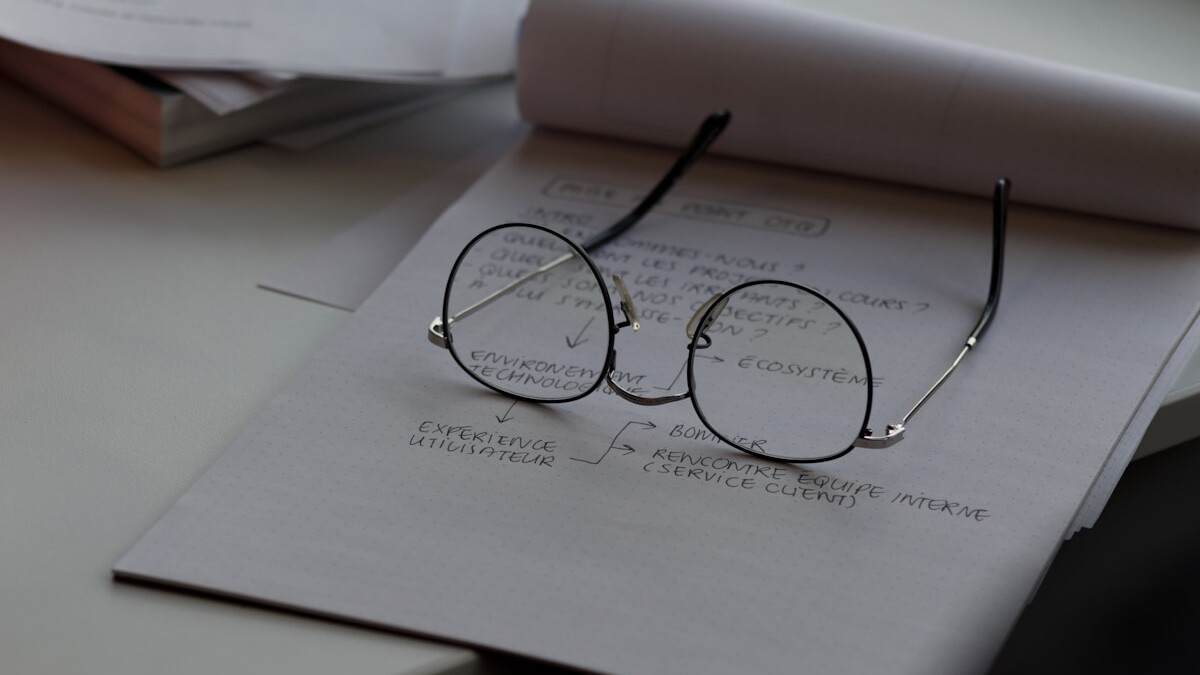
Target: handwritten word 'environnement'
(540, 373)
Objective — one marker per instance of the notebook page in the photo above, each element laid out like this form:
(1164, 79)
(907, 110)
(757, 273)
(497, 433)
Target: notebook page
(385, 487)
(1134, 436)
(832, 93)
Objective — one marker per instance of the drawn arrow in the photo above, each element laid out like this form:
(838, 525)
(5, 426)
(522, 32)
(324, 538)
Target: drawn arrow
(671, 386)
(625, 448)
(506, 417)
(678, 375)
(579, 339)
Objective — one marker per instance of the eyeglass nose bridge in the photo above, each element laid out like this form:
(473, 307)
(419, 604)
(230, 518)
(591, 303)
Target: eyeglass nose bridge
(610, 380)
(631, 320)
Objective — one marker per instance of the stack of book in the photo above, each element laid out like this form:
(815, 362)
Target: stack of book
(176, 82)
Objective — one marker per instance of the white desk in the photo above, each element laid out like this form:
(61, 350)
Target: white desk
(134, 346)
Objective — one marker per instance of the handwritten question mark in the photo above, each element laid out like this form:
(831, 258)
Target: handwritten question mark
(923, 306)
(758, 332)
(833, 325)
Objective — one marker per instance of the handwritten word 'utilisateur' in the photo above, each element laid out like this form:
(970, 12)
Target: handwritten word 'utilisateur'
(465, 439)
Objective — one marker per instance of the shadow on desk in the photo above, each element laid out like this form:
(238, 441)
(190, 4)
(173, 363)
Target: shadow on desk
(1123, 597)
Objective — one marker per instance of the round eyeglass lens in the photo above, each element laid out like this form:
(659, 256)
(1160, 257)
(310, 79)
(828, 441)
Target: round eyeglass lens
(528, 314)
(786, 374)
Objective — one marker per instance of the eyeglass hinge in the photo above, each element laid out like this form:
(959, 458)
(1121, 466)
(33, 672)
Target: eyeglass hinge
(437, 333)
(895, 433)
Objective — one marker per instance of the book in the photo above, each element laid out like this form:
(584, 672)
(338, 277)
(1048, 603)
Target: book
(168, 127)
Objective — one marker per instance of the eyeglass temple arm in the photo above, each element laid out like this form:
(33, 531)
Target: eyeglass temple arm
(895, 432)
(437, 329)
(710, 129)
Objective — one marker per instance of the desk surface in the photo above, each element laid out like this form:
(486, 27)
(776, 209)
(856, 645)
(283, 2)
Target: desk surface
(134, 346)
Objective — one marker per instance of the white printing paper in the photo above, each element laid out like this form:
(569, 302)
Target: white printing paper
(383, 485)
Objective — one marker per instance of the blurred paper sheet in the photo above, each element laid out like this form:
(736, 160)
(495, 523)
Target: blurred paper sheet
(835, 94)
(344, 271)
(224, 92)
(369, 39)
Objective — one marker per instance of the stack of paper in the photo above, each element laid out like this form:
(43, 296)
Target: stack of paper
(407, 40)
(385, 487)
(220, 75)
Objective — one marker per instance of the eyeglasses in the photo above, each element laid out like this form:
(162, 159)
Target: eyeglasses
(774, 368)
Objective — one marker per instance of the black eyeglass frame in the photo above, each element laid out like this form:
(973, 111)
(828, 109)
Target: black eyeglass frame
(441, 334)
(709, 315)
(447, 337)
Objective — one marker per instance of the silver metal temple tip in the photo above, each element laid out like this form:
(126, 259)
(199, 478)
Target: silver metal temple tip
(437, 333)
(895, 434)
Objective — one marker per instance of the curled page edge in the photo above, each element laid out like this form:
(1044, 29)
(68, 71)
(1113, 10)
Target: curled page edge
(840, 95)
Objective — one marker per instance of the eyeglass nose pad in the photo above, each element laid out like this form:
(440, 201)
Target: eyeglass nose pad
(627, 307)
(693, 325)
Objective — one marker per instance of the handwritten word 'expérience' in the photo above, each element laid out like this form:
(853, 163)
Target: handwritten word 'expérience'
(468, 440)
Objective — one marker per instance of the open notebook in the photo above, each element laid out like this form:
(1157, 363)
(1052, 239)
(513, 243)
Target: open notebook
(382, 486)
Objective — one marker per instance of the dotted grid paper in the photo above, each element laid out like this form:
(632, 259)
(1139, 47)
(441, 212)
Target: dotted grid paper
(621, 538)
